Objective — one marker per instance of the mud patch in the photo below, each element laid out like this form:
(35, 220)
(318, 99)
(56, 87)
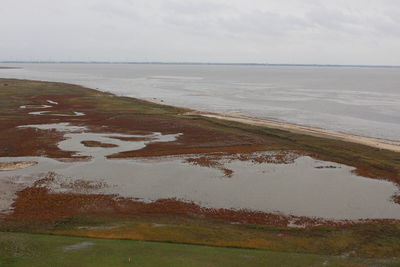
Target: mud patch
(219, 160)
(97, 144)
(63, 184)
(78, 246)
(326, 167)
(12, 166)
(8, 189)
(133, 139)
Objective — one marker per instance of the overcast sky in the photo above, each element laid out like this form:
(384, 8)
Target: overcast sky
(284, 31)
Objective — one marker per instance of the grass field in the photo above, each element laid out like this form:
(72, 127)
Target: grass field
(18, 249)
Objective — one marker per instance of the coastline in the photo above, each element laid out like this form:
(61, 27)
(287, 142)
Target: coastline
(374, 142)
(307, 130)
(388, 142)
(86, 211)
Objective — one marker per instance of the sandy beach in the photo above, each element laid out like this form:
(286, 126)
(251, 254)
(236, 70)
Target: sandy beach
(317, 132)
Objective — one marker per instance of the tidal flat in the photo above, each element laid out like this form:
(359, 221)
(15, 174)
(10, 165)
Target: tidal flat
(294, 185)
(106, 160)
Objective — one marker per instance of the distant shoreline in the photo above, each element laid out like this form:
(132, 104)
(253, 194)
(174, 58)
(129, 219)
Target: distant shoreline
(8, 68)
(204, 63)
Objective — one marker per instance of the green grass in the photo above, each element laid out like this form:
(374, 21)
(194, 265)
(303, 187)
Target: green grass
(46, 250)
(370, 240)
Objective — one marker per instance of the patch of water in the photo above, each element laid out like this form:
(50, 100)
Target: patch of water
(62, 127)
(46, 112)
(34, 106)
(75, 135)
(78, 246)
(52, 102)
(300, 188)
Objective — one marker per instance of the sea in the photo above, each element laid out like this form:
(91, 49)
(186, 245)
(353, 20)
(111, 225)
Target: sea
(350, 99)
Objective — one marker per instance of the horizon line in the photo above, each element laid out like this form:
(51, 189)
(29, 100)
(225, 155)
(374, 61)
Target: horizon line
(196, 63)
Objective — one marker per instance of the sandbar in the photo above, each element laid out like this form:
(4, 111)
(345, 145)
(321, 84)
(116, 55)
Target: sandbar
(307, 130)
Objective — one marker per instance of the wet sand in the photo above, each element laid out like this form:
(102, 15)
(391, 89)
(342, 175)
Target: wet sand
(317, 132)
(12, 166)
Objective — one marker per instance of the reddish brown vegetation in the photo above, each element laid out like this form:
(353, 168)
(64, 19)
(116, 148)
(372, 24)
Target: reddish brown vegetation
(326, 167)
(217, 160)
(53, 179)
(38, 203)
(210, 161)
(15, 142)
(97, 144)
(396, 199)
(133, 139)
(197, 137)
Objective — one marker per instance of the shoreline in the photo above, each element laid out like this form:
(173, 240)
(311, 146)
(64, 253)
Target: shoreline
(307, 130)
(379, 143)
(375, 142)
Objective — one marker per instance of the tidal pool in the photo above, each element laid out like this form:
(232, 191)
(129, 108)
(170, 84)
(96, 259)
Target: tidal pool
(46, 112)
(306, 187)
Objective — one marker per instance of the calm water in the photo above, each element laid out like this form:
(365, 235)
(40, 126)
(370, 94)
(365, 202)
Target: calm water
(298, 188)
(363, 101)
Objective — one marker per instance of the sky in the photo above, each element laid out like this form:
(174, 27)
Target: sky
(259, 31)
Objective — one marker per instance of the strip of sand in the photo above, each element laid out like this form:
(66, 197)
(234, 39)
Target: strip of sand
(369, 141)
(12, 166)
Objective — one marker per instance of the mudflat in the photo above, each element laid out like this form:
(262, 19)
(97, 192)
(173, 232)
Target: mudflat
(11, 166)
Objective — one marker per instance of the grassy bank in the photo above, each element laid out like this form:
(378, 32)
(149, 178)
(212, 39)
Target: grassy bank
(371, 240)
(47, 250)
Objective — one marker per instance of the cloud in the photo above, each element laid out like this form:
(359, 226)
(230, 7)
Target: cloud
(293, 31)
